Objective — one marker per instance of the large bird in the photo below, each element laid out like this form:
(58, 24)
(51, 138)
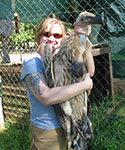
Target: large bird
(67, 66)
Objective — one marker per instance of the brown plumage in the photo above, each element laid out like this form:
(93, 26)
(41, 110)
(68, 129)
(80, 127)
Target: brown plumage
(68, 66)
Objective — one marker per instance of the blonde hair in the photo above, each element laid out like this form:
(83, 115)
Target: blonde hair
(44, 25)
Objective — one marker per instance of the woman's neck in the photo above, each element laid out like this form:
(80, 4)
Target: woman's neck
(41, 52)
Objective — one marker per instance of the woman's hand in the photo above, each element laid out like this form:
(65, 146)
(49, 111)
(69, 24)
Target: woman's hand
(89, 82)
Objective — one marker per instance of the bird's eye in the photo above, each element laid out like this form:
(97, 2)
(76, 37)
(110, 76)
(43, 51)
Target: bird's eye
(82, 19)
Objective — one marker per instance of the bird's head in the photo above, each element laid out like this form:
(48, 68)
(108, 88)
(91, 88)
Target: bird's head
(86, 18)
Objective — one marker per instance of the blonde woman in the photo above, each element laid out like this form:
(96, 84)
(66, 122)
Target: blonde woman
(46, 132)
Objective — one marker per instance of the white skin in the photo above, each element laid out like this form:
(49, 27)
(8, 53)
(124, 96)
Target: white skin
(55, 42)
(37, 83)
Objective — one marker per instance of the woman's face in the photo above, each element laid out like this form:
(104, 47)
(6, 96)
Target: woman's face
(52, 35)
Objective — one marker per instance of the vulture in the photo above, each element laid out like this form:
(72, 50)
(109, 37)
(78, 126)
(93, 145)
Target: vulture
(67, 66)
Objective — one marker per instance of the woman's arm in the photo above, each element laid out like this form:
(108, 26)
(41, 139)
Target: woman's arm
(89, 59)
(90, 64)
(49, 96)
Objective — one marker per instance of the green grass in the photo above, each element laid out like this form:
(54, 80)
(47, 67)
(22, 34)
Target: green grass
(15, 137)
(108, 127)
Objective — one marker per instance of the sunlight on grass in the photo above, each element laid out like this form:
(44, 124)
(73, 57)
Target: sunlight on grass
(15, 137)
(108, 127)
(121, 111)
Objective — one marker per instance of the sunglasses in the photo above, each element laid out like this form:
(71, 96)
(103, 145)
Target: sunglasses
(55, 35)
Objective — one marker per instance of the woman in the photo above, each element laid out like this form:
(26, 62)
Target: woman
(46, 132)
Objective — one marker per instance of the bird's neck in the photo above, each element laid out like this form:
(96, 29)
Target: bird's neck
(85, 30)
(83, 38)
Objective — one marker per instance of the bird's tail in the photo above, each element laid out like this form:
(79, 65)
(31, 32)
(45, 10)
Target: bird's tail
(80, 132)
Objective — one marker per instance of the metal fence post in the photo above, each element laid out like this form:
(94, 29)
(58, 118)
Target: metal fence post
(1, 109)
(1, 115)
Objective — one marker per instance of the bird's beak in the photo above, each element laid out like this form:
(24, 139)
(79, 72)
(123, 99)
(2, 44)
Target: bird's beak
(95, 20)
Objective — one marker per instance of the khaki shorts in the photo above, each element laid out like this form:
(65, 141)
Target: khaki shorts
(47, 139)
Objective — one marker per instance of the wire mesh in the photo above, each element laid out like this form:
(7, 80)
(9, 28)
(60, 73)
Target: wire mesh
(17, 40)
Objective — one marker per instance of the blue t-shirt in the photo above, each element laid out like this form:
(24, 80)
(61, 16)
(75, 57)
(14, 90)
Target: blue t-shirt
(42, 116)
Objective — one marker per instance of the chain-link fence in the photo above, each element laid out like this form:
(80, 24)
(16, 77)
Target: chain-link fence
(18, 23)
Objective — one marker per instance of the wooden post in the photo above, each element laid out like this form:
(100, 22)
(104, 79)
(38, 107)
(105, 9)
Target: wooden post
(111, 79)
(16, 17)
